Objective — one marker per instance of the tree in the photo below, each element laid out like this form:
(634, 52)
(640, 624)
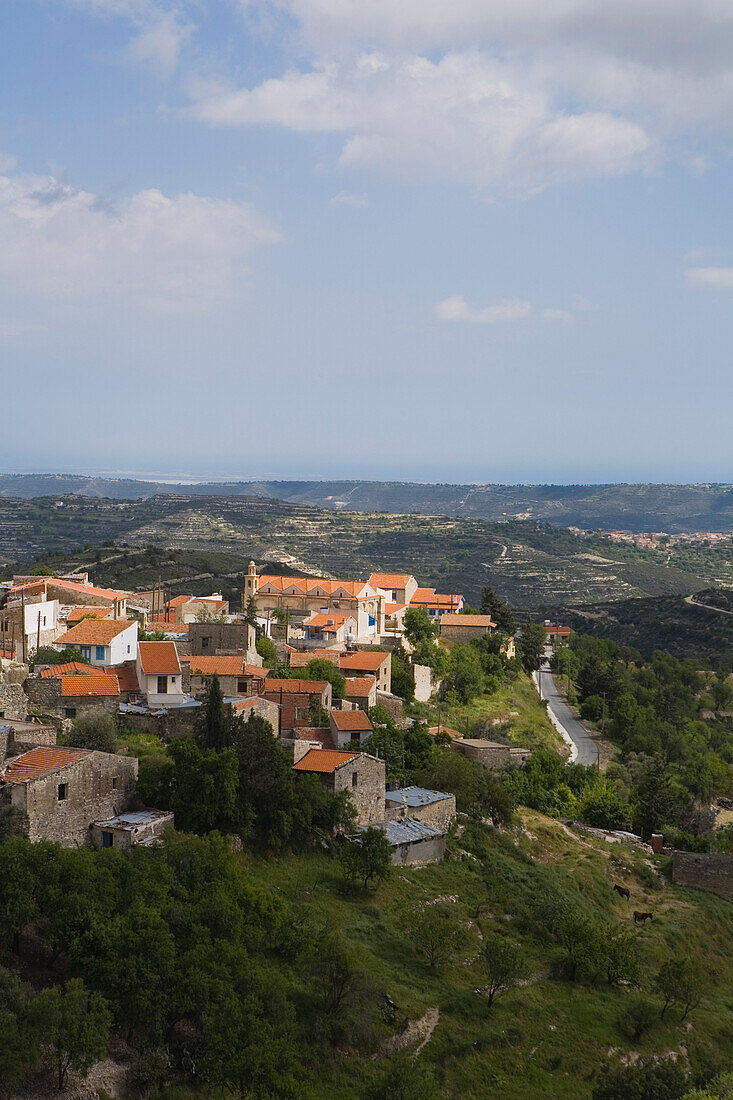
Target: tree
(213, 727)
(203, 787)
(418, 626)
(501, 613)
(602, 807)
(267, 651)
(679, 982)
(653, 799)
(367, 857)
(94, 730)
(320, 668)
(532, 646)
(250, 613)
(583, 948)
(433, 933)
(465, 677)
(47, 655)
(643, 1080)
(403, 682)
(622, 958)
(336, 981)
(502, 963)
(637, 1019)
(73, 1026)
(268, 799)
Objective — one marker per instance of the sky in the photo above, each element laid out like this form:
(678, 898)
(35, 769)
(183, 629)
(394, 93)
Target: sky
(484, 240)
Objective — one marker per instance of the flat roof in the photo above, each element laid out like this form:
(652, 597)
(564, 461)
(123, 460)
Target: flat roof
(415, 796)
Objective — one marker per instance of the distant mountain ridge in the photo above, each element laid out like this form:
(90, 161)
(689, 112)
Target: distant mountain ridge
(640, 507)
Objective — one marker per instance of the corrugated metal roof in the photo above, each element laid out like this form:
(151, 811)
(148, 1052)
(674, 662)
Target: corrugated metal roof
(408, 831)
(415, 796)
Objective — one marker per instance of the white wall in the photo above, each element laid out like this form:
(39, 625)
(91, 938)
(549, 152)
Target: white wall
(124, 646)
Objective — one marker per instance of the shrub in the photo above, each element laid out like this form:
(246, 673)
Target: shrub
(637, 1019)
(592, 708)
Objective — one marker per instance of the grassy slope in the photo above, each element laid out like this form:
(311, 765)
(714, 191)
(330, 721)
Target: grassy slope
(521, 717)
(547, 1038)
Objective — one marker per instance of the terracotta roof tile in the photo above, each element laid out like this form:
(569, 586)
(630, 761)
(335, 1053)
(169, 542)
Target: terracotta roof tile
(126, 677)
(350, 720)
(110, 594)
(295, 687)
(329, 620)
(324, 761)
(300, 660)
(68, 666)
(362, 661)
(312, 586)
(360, 686)
(467, 620)
(39, 762)
(390, 580)
(159, 658)
(94, 632)
(100, 683)
(78, 613)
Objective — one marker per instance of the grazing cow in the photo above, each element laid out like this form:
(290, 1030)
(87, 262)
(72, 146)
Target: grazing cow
(622, 891)
(640, 918)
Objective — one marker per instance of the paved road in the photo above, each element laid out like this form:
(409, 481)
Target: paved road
(696, 603)
(586, 746)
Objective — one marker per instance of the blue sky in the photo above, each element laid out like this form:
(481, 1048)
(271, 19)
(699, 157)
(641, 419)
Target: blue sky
(480, 241)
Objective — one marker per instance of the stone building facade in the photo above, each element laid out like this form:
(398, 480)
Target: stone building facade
(356, 772)
(436, 808)
(491, 754)
(13, 702)
(59, 792)
(223, 639)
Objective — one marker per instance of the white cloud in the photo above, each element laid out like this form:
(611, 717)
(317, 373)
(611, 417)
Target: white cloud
(160, 29)
(186, 251)
(461, 119)
(717, 278)
(346, 198)
(457, 308)
(556, 315)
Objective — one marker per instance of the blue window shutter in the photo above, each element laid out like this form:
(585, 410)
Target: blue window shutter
(100, 653)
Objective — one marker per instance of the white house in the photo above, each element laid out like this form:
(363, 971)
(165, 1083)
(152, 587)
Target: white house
(40, 623)
(159, 674)
(331, 627)
(103, 641)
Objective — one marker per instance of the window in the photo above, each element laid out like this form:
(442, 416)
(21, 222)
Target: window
(63, 791)
(114, 782)
(44, 620)
(86, 651)
(107, 839)
(354, 779)
(205, 643)
(241, 687)
(162, 685)
(372, 621)
(70, 712)
(99, 653)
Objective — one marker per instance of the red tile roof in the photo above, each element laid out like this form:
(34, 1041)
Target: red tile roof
(68, 666)
(428, 597)
(350, 720)
(167, 627)
(390, 580)
(223, 666)
(73, 586)
(393, 608)
(300, 660)
(294, 687)
(362, 662)
(467, 620)
(39, 762)
(360, 686)
(99, 683)
(94, 632)
(313, 586)
(78, 613)
(159, 658)
(324, 761)
(126, 677)
(330, 621)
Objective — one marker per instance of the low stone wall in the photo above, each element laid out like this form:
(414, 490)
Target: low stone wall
(167, 726)
(705, 871)
(393, 705)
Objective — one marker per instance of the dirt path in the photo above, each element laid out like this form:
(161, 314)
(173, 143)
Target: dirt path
(421, 1029)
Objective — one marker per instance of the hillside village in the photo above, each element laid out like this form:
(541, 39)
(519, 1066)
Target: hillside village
(71, 649)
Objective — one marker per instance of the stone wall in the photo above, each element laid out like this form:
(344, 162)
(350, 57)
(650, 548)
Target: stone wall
(705, 871)
(491, 754)
(429, 850)
(13, 702)
(98, 786)
(168, 726)
(457, 633)
(13, 672)
(222, 639)
(367, 795)
(393, 705)
(440, 815)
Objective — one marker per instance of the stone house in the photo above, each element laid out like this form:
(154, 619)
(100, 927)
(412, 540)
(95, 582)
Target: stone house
(186, 609)
(361, 691)
(397, 588)
(356, 772)
(304, 595)
(465, 628)
(127, 830)
(491, 754)
(331, 627)
(159, 674)
(224, 639)
(317, 690)
(434, 808)
(66, 691)
(59, 792)
(102, 642)
(414, 842)
(437, 604)
(369, 662)
(243, 706)
(348, 726)
(235, 677)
